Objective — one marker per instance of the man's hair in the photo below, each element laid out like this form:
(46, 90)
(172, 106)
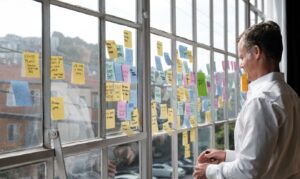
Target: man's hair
(267, 36)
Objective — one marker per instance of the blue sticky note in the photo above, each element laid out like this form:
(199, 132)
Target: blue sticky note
(130, 107)
(167, 58)
(120, 50)
(186, 67)
(186, 122)
(133, 74)
(192, 93)
(110, 71)
(183, 52)
(179, 79)
(218, 90)
(22, 93)
(133, 97)
(129, 56)
(180, 108)
(118, 72)
(158, 63)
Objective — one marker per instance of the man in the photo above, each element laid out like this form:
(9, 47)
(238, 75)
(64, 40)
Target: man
(267, 132)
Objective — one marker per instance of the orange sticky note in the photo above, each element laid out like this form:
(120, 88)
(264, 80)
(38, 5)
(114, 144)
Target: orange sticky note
(244, 82)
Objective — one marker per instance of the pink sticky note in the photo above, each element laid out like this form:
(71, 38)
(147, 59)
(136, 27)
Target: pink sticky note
(193, 80)
(187, 109)
(125, 73)
(185, 81)
(121, 109)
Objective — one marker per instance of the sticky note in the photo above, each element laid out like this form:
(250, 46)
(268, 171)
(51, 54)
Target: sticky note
(118, 72)
(190, 56)
(158, 63)
(21, 93)
(128, 39)
(112, 49)
(110, 119)
(31, 65)
(118, 92)
(57, 108)
(186, 67)
(193, 121)
(193, 135)
(179, 66)
(161, 78)
(193, 78)
(120, 51)
(154, 126)
(185, 139)
(186, 121)
(193, 107)
(125, 73)
(129, 56)
(126, 91)
(163, 111)
(208, 117)
(199, 106)
(153, 108)
(167, 127)
(183, 51)
(244, 82)
(202, 91)
(220, 102)
(133, 97)
(57, 68)
(180, 94)
(180, 79)
(180, 108)
(135, 118)
(170, 115)
(168, 59)
(125, 126)
(187, 109)
(78, 76)
(169, 77)
(133, 74)
(153, 76)
(129, 109)
(159, 46)
(121, 106)
(157, 94)
(110, 71)
(187, 151)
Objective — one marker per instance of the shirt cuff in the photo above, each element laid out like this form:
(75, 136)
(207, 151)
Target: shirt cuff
(211, 171)
(230, 155)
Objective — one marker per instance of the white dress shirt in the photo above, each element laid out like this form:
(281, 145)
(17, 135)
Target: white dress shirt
(267, 134)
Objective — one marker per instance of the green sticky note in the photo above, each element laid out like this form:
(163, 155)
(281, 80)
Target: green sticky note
(202, 90)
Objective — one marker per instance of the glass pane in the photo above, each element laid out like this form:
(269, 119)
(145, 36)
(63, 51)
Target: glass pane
(161, 155)
(252, 2)
(74, 78)
(121, 80)
(232, 87)
(259, 19)
(125, 9)
(92, 4)
(204, 86)
(252, 18)
(85, 165)
(185, 162)
(186, 87)
(184, 18)
(219, 79)
(219, 24)
(125, 159)
(161, 14)
(259, 4)
(204, 138)
(242, 18)
(219, 136)
(231, 26)
(21, 75)
(161, 84)
(203, 24)
(231, 135)
(24, 172)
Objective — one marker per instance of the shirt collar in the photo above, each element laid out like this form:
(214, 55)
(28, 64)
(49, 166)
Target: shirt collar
(256, 84)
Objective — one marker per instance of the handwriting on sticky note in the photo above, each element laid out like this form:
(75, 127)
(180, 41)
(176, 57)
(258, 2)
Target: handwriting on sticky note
(57, 108)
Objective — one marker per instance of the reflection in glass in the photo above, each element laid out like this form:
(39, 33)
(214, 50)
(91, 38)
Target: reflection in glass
(92, 4)
(160, 14)
(219, 136)
(203, 28)
(231, 135)
(30, 171)
(74, 78)
(219, 24)
(20, 75)
(242, 18)
(184, 18)
(204, 138)
(124, 9)
(231, 26)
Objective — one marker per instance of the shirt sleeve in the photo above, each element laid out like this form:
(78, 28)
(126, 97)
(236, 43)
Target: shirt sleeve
(258, 140)
(230, 155)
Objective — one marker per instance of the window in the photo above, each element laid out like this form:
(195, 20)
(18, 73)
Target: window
(13, 132)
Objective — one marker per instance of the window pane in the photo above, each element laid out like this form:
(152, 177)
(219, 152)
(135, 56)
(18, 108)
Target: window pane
(203, 24)
(125, 9)
(242, 18)
(219, 136)
(186, 87)
(121, 79)
(252, 2)
(75, 69)
(259, 4)
(125, 158)
(231, 26)
(204, 138)
(161, 14)
(252, 18)
(232, 87)
(204, 86)
(20, 79)
(231, 135)
(161, 84)
(218, 24)
(92, 4)
(219, 80)
(185, 153)
(184, 18)
(29, 171)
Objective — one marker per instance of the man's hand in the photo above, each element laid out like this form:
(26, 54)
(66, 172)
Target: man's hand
(212, 156)
(200, 170)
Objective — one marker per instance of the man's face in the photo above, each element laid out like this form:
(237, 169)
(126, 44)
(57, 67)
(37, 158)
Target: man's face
(247, 61)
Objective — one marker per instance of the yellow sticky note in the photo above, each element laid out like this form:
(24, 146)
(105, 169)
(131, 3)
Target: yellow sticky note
(110, 119)
(57, 68)
(135, 118)
(170, 115)
(186, 94)
(127, 39)
(154, 126)
(126, 91)
(220, 102)
(112, 49)
(125, 126)
(57, 108)
(167, 127)
(193, 135)
(109, 92)
(190, 56)
(179, 66)
(199, 104)
(153, 108)
(244, 82)
(163, 111)
(118, 92)
(159, 48)
(185, 139)
(180, 94)
(193, 121)
(188, 78)
(187, 151)
(78, 76)
(169, 77)
(208, 117)
(31, 65)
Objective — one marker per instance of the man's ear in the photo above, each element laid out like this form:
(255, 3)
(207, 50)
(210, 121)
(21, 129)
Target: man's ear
(256, 51)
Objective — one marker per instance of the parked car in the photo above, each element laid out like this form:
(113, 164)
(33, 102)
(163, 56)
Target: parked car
(165, 170)
(189, 168)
